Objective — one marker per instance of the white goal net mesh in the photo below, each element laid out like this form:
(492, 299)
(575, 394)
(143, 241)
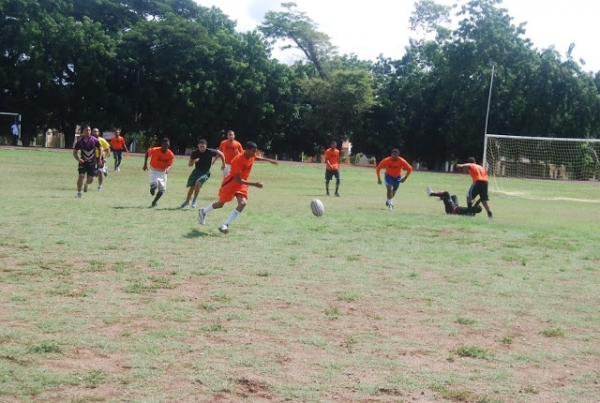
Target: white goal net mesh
(544, 168)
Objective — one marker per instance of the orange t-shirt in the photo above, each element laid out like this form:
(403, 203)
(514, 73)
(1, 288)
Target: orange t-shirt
(230, 149)
(159, 160)
(394, 168)
(117, 143)
(333, 156)
(241, 165)
(478, 173)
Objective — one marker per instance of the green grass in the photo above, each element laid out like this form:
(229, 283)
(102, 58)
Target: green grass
(104, 299)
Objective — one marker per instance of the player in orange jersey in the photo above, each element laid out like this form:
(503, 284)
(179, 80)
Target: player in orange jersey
(332, 168)
(393, 175)
(161, 160)
(230, 148)
(235, 185)
(479, 186)
(117, 144)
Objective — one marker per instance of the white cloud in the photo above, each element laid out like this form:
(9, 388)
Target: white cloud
(372, 27)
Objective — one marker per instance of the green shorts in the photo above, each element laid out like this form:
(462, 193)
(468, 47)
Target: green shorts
(197, 176)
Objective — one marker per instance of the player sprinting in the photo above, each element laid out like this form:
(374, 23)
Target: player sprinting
(393, 165)
(101, 171)
(451, 203)
(87, 145)
(117, 144)
(332, 168)
(479, 186)
(235, 185)
(161, 160)
(203, 158)
(230, 147)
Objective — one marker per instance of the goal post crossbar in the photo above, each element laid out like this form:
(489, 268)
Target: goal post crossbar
(503, 136)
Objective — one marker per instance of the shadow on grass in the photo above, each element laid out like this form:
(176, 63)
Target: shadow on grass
(195, 234)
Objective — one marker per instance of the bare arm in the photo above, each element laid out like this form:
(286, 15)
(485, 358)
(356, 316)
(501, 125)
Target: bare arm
(77, 156)
(238, 179)
(145, 167)
(222, 157)
(267, 160)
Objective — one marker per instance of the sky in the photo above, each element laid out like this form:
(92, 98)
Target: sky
(369, 28)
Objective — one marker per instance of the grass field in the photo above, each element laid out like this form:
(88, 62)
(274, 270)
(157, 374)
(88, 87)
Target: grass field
(103, 299)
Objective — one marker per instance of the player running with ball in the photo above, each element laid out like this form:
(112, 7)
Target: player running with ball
(235, 185)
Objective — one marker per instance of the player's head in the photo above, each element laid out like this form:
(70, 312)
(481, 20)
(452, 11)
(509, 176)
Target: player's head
(250, 149)
(165, 144)
(202, 144)
(471, 160)
(95, 132)
(230, 135)
(118, 133)
(333, 144)
(86, 130)
(395, 154)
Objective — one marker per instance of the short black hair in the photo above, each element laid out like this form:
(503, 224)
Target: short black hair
(165, 140)
(202, 141)
(471, 160)
(395, 151)
(251, 145)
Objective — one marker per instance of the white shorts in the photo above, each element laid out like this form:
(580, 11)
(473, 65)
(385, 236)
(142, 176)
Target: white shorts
(226, 170)
(158, 179)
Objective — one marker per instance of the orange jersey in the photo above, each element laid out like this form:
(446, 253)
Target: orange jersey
(477, 172)
(159, 160)
(333, 156)
(117, 143)
(394, 168)
(241, 165)
(230, 149)
(230, 187)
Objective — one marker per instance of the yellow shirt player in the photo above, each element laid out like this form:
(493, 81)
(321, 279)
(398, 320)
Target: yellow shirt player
(394, 165)
(101, 154)
(332, 168)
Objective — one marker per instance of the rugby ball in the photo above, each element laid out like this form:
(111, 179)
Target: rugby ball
(317, 207)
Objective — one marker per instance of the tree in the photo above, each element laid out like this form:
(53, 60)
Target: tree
(295, 26)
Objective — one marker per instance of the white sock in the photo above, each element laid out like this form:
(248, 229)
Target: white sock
(208, 208)
(391, 202)
(232, 217)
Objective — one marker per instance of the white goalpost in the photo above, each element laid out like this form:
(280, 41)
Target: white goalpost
(543, 168)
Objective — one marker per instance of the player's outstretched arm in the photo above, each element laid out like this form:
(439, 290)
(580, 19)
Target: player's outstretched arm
(275, 162)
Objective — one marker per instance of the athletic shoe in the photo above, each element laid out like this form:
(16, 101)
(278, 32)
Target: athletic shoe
(154, 205)
(183, 204)
(79, 195)
(118, 169)
(429, 190)
(390, 207)
(201, 216)
(152, 190)
(337, 195)
(224, 229)
(327, 194)
(85, 187)
(99, 188)
(194, 204)
(490, 214)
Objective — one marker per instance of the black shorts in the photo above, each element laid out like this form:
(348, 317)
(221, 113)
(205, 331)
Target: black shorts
(329, 173)
(480, 189)
(88, 167)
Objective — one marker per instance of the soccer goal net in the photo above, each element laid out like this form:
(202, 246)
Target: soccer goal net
(543, 168)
